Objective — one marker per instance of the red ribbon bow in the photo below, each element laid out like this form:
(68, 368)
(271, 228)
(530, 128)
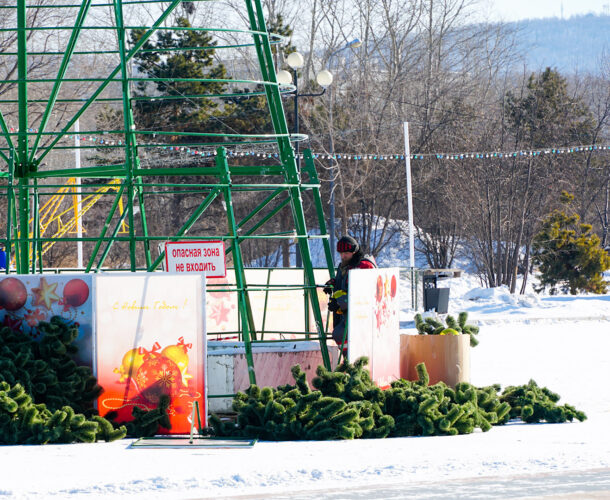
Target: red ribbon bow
(181, 342)
(156, 346)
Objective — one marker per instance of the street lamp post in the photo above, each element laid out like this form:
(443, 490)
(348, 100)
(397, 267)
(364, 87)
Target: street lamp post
(333, 163)
(324, 78)
(296, 62)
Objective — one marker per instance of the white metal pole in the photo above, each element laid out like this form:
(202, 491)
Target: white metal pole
(79, 205)
(409, 198)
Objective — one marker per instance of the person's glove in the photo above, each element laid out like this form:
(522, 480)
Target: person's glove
(333, 305)
(330, 284)
(341, 298)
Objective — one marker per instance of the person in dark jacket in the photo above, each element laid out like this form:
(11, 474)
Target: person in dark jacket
(352, 257)
(2, 258)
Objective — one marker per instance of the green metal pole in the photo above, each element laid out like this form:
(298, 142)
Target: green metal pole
(10, 203)
(109, 217)
(265, 306)
(306, 307)
(310, 281)
(130, 140)
(22, 87)
(265, 58)
(24, 227)
(245, 312)
(291, 174)
(16, 229)
(37, 240)
(310, 169)
(22, 143)
(35, 228)
(143, 221)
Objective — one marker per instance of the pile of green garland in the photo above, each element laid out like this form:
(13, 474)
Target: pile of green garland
(534, 404)
(346, 405)
(45, 368)
(46, 398)
(23, 422)
(432, 326)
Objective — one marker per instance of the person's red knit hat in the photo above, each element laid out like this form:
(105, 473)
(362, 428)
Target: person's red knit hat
(347, 244)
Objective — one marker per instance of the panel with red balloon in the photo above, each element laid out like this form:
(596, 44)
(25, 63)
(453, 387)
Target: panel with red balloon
(26, 300)
(385, 294)
(147, 374)
(374, 323)
(150, 342)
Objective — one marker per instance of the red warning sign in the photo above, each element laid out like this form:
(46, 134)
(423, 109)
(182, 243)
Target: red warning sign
(196, 257)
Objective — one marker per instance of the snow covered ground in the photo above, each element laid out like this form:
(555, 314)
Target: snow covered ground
(521, 338)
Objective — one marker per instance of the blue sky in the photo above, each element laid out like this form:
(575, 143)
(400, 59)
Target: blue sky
(511, 10)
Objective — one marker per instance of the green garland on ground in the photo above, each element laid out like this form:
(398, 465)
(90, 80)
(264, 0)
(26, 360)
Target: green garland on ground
(45, 397)
(534, 404)
(294, 412)
(432, 326)
(346, 405)
(45, 369)
(422, 410)
(23, 422)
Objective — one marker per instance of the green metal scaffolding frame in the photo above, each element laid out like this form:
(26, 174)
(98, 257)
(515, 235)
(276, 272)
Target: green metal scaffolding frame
(28, 171)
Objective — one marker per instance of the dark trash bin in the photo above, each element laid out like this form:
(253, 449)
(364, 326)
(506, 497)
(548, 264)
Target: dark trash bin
(437, 299)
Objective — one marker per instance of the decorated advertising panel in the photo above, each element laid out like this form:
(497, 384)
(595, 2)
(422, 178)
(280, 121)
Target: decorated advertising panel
(151, 342)
(221, 307)
(26, 300)
(373, 322)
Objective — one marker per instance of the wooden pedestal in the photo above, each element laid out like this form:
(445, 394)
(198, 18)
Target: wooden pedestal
(447, 357)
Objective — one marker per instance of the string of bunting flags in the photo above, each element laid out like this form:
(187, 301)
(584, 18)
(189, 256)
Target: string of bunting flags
(559, 150)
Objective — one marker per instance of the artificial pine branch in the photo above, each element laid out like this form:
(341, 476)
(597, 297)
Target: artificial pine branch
(23, 422)
(347, 405)
(45, 369)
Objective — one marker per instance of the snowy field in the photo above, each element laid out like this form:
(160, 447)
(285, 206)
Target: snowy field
(561, 342)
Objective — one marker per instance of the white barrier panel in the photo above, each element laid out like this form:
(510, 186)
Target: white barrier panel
(373, 322)
(151, 341)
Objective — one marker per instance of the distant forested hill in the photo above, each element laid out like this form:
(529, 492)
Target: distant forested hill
(574, 44)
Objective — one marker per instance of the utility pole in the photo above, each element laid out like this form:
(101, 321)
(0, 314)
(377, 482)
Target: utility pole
(78, 206)
(410, 213)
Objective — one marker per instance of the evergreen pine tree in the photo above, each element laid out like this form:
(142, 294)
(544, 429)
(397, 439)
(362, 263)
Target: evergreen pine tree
(250, 113)
(184, 109)
(568, 255)
(548, 113)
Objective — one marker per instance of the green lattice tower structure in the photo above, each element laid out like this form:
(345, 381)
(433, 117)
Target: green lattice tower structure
(55, 74)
